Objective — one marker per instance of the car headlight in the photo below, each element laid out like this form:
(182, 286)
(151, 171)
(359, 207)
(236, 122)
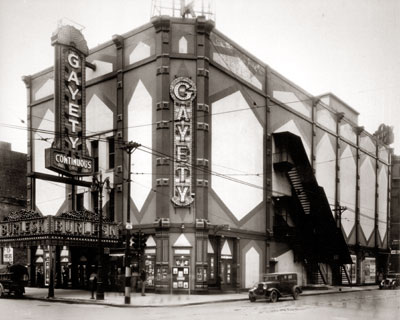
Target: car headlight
(265, 287)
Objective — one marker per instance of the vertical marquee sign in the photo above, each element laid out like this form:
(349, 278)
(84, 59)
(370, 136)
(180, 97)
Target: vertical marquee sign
(68, 152)
(183, 92)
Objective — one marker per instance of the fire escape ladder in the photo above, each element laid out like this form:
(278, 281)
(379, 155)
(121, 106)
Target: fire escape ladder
(315, 225)
(345, 275)
(297, 185)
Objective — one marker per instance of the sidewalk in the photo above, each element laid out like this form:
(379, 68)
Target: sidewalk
(116, 299)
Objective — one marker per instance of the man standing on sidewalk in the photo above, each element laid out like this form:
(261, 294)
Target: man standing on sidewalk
(143, 278)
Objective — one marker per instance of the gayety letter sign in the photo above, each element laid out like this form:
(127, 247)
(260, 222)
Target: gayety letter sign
(183, 92)
(68, 152)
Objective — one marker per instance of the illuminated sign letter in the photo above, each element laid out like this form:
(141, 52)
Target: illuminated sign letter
(73, 60)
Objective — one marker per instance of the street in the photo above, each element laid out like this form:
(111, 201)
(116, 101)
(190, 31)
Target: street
(376, 304)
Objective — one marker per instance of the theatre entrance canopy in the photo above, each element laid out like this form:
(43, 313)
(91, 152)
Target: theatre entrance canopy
(26, 228)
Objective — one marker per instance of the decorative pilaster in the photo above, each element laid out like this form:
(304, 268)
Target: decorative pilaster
(162, 273)
(267, 166)
(30, 197)
(338, 212)
(376, 222)
(202, 117)
(201, 263)
(359, 130)
(121, 125)
(164, 114)
(315, 102)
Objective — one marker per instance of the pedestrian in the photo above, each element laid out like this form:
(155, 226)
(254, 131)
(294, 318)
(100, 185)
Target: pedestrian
(143, 277)
(135, 276)
(65, 276)
(39, 278)
(93, 283)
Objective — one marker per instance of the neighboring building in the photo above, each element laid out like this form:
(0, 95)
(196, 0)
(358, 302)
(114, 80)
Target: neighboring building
(395, 216)
(12, 194)
(239, 172)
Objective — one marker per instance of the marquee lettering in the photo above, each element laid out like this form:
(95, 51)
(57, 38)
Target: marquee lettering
(183, 92)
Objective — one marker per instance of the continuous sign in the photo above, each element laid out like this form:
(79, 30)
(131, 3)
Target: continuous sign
(183, 92)
(68, 152)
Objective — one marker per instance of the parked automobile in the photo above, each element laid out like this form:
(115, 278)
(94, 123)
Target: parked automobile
(276, 285)
(13, 279)
(391, 281)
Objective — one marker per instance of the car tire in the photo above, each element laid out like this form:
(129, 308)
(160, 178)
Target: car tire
(273, 296)
(252, 299)
(1, 291)
(296, 293)
(19, 292)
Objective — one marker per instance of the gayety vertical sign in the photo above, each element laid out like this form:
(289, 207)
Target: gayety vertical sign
(68, 153)
(183, 92)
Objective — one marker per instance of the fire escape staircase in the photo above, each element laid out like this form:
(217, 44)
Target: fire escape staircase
(316, 229)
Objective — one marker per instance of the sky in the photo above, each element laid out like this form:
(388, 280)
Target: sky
(349, 48)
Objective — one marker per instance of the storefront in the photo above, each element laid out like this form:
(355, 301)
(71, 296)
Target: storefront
(62, 252)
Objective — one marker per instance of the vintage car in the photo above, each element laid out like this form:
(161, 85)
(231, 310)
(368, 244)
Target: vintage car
(276, 285)
(391, 281)
(13, 279)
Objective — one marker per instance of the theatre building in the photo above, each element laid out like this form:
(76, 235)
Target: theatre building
(239, 171)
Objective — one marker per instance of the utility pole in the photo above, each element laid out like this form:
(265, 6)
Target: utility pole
(129, 147)
(98, 185)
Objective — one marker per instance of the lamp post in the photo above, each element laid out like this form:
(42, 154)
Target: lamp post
(98, 185)
(129, 147)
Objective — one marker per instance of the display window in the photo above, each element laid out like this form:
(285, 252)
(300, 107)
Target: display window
(181, 273)
(149, 264)
(368, 269)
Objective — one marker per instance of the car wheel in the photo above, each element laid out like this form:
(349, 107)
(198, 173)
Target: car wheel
(296, 293)
(18, 293)
(1, 291)
(252, 299)
(273, 296)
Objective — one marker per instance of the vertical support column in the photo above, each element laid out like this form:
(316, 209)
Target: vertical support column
(201, 263)
(376, 222)
(30, 181)
(236, 264)
(268, 161)
(315, 102)
(162, 270)
(164, 116)
(120, 124)
(201, 155)
(338, 212)
(358, 249)
(218, 260)
(389, 197)
(52, 271)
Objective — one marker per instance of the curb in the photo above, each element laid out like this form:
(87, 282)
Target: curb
(109, 304)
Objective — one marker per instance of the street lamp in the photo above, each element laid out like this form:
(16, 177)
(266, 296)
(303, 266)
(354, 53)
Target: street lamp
(98, 185)
(129, 147)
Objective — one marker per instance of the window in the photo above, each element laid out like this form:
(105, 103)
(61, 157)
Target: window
(79, 202)
(111, 153)
(95, 200)
(95, 154)
(111, 204)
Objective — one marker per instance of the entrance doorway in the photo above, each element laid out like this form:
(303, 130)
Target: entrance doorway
(226, 273)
